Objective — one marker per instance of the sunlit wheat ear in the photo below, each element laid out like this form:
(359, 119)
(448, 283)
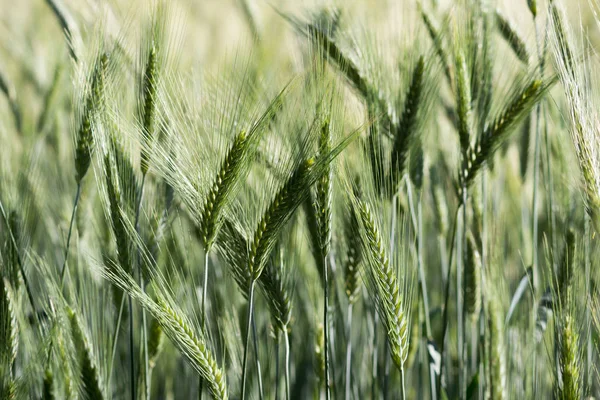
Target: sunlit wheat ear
(497, 350)
(383, 285)
(94, 104)
(569, 387)
(91, 380)
(569, 383)
(176, 326)
(512, 37)
(324, 192)
(501, 127)
(463, 102)
(472, 279)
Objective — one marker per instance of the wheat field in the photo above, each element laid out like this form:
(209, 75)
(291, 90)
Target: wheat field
(248, 199)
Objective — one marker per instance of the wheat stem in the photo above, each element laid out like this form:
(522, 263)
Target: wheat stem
(257, 358)
(144, 332)
(286, 338)
(349, 352)
(248, 331)
(326, 325)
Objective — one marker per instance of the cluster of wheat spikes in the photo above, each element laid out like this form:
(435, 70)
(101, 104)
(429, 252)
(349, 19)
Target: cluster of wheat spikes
(351, 200)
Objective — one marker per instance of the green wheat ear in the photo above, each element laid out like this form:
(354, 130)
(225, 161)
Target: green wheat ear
(324, 195)
(150, 93)
(272, 282)
(354, 255)
(569, 388)
(48, 386)
(93, 106)
(383, 285)
(500, 128)
(472, 279)
(463, 102)
(276, 215)
(91, 380)
(221, 187)
(409, 122)
(232, 171)
(116, 214)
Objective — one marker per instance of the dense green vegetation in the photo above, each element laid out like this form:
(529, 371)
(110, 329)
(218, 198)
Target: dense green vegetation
(393, 200)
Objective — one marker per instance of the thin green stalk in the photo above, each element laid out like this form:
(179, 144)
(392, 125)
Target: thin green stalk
(462, 377)
(204, 291)
(349, 352)
(403, 386)
(248, 331)
(326, 325)
(446, 300)
(421, 270)
(115, 340)
(203, 315)
(144, 338)
(131, 350)
(286, 337)
(277, 338)
(71, 223)
(375, 353)
(258, 370)
(589, 378)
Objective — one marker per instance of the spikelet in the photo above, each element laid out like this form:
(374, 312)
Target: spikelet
(150, 93)
(354, 254)
(221, 188)
(569, 387)
(463, 103)
(116, 214)
(91, 380)
(273, 285)
(324, 195)
(276, 215)
(94, 104)
(409, 123)
(472, 279)
(48, 386)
